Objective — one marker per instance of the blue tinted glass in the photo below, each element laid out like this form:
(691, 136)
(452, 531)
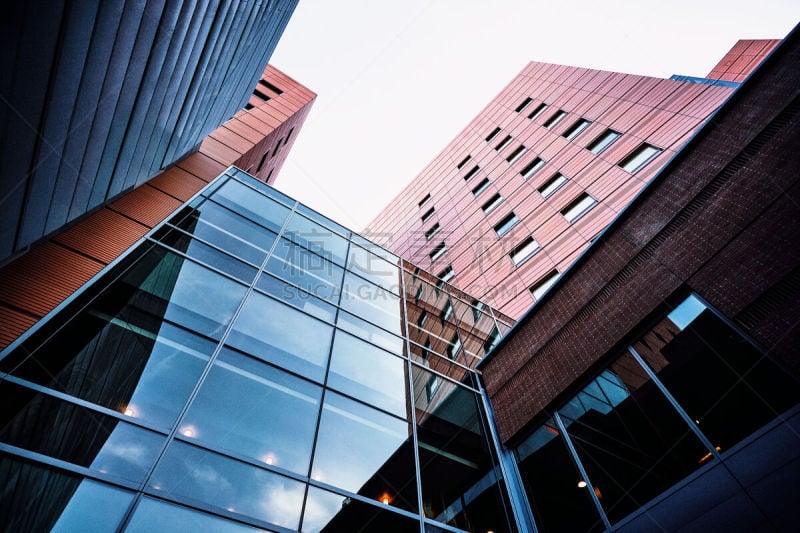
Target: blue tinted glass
(206, 254)
(329, 512)
(154, 515)
(256, 410)
(93, 507)
(252, 204)
(372, 303)
(368, 373)
(374, 248)
(283, 336)
(325, 221)
(189, 473)
(261, 186)
(368, 332)
(316, 238)
(296, 297)
(374, 268)
(305, 269)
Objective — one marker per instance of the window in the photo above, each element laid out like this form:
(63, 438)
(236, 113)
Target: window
(463, 162)
(552, 185)
(422, 319)
(493, 134)
(605, 139)
(505, 225)
(418, 294)
(472, 172)
(431, 387)
(516, 154)
(524, 250)
(263, 160)
(289, 135)
(576, 129)
(503, 143)
(437, 252)
(578, 207)
(433, 231)
(445, 275)
(477, 308)
(532, 168)
(427, 215)
(491, 340)
(524, 104)
(639, 158)
(424, 199)
(492, 203)
(261, 96)
(538, 111)
(447, 311)
(454, 347)
(479, 188)
(271, 87)
(541, 286)
(555, 119)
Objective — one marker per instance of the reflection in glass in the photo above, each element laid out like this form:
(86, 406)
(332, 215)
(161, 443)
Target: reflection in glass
(327, 512)
(190, 474)
(372, 303)
(251, 204)
(155, 515)
(206, 254)
(256, 410)
(374, 268)
(296, 297)
(365, 451)
(305, 269)
(365, 330)
(631, 441)
(283, 336)
(71, 504)
(747, 390)
(316, 238)
(368, 373)
(560, 502)
(46, 425)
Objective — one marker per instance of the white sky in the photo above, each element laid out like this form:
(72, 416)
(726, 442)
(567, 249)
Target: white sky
(398, 79)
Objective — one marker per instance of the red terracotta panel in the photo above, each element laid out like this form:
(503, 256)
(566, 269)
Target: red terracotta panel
(14, 324)
(104, 235)
(201, 166)
(146, 205)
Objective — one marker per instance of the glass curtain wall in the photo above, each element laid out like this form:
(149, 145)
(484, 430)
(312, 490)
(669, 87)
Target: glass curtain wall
(252, 365)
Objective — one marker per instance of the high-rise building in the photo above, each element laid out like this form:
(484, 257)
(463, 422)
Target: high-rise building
(521, 192)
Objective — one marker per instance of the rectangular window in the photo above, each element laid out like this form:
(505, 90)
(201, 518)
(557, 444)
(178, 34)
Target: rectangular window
(431, 387)
(472, 172)
(271, 87)
(433, 231)
(602, 142)
(492, 203)
(427, 215)
(454, 347)
(637, 159)
(447, 311)
(463, 162)
(491, 340)
(524, 104)
(578, 207)
(422, 319)
(576, 129)
(477, 308)
(538, 111)
(493, 134)
(503, 143)
(516, 154)
(479, 188)
(524, 250)
(532, 168)
(505, 225)
(445, 275)
(261, 96)
(437, 252)
(424, 199)
(555, 119)
(552, 185)
(418, 294)
(541, 286)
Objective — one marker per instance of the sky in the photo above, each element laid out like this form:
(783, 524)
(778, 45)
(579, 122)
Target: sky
(397, 80)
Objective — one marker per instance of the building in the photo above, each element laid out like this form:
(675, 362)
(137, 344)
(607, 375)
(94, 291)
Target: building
(521, 192)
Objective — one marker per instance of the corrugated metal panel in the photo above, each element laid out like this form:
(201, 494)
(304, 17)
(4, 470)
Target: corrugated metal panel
(14, 324)
(177, 183)
(146, 205)
(103, 235)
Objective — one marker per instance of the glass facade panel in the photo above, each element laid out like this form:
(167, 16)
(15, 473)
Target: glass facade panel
(305, 269)
(206, 254)
(316, 238)
(368, 332)
(155, 515)
(630, 439)
(192, 475)
(296, 297)
(374, 268)
(249, 203)
(256, 410)
(365, 451)
(372, 303)
(283, 336)
(329, 512)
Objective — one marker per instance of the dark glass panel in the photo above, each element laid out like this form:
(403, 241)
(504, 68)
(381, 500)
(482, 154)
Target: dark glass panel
(630, 439)
(327, 512)
(145, 369)
(250, 203)
(195, 476)
(368, 373)
(429, 359)
(689, 347)
(227, 230)
(260, 186)
(374, 268)
(296, 297)
(316, 238)
(283, 336)
(37, 498)
(551, 482)
(46, 425)
(372, 303)
(256, 410)
(206, 254)
(155, 515)
(305, 269)
(367, 331)
(460, 482)
(365, 451)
